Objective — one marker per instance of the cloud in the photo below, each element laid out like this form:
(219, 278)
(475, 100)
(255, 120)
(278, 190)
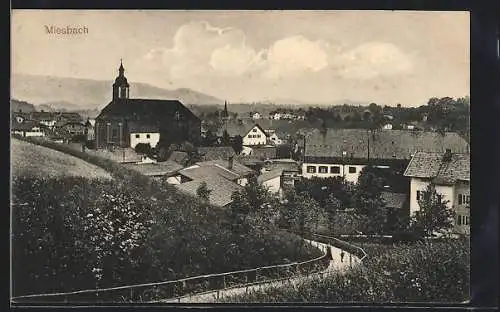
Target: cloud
(294, 55)
(202, 50)
(370, 60)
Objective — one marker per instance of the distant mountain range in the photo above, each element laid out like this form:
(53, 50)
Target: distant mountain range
(83, 94)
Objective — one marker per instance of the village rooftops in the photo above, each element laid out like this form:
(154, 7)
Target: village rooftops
(216, 168)
(442, 168)
(221, 189)
(216, 152)
(383, 144)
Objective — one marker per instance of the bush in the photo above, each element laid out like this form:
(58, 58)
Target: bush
(143, 148)
(436, 271)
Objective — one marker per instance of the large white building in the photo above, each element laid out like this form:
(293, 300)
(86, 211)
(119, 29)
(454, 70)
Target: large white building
(255, 136)
(345, 152)
(144, 134)
(450, 173)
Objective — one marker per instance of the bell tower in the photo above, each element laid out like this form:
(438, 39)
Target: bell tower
(121, 86)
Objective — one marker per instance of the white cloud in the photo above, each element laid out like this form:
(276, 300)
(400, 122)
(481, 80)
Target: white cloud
(202, 50)
(296, 54)
(370, 60)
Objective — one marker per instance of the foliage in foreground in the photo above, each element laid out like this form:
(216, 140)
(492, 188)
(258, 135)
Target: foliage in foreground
(71, 233)
(432, 271)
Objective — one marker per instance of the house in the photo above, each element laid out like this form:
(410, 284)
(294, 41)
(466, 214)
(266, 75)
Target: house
(72, 128)
(221, 189)
(272, 180)
(21, 125)
(90, 129)
(272, 137)
(264, 152)
(169, 118)
(246, 151)
(276, 116)
(256, 116)
(216, 152)
(450, 173)
(387, 126)
(345, 152)
(398, 208)
(230, 170)
(255, 136)
(48, 119)
(143, 133)
(156, 170)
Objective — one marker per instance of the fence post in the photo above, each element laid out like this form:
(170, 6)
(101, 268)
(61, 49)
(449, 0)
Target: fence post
(131, 294)
(224, 280)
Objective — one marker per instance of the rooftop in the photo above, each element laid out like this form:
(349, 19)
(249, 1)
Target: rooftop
(384, 144)
(434, 166)
(216, 152)
(221, 189)
(268, 175)
(156, 169)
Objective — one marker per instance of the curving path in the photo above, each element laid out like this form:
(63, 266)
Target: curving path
(336, 264)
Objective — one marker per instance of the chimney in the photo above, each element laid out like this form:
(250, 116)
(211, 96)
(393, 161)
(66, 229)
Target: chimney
(447, 155)
(230, 163)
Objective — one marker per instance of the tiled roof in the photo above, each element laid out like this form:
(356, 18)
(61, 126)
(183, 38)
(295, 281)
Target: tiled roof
(394, 200)
(221, 189)
(200, 172)
(179, 157)
(268, 175)
(146, 110)
(216, 152)
(156, 169)
(433, 166)
(384, 144)
(43, 115)
(135, 127)
(237, 168)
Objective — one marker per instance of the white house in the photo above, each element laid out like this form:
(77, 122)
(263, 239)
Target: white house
(256, 136)
(387, 126)
(272, 137)
(276, 116)
(345, 152)
(450, 173)
(151, 138)
(256, 116)
(272, 180)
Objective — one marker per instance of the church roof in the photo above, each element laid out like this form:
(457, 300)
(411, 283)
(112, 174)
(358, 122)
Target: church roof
(146, 109)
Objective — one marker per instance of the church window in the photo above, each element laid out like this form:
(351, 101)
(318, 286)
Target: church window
(137, 136)
(148, 136)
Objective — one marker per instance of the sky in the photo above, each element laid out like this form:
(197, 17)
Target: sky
(386, 57)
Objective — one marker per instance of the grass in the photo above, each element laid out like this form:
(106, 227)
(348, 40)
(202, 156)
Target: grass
(28, 158)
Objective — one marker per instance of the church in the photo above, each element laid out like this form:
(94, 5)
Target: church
(126, 122)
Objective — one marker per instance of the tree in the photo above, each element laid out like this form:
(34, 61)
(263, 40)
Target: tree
(237, 144)
(368, 201)
(225, 138)
(203, 192)
(143, 148)
(299, 212)
(333, 205)
(434, 216)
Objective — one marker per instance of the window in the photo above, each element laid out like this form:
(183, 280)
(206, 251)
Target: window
(419, 195)
(254, 130)
(352, 169)
(459, 220)
(334, 169)
(311, 169)
(258, 136)
(323, 169)
(466, 220)
(148, 136)
(463, 199)
(137, 136)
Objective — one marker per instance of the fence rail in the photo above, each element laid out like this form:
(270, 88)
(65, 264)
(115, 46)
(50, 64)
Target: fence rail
(182, 287)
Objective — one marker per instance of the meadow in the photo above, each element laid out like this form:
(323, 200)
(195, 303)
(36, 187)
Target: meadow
(28, 158)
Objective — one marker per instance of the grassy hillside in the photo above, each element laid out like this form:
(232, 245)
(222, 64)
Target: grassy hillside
(27, 158)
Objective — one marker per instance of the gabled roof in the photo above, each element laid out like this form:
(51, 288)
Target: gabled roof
(268, 175)
(433, 166)
(221, 189)
(135, 127)
(156, 169)
(237, 168)
(394, 200)
(26, 125)
(200, 172)
(384, 144)
(146, 110)
(216, 152)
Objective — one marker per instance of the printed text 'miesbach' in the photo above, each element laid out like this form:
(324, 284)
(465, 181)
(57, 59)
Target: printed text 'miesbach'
(67, 30)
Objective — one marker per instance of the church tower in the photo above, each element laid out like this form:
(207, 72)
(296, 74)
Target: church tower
(121, 86)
